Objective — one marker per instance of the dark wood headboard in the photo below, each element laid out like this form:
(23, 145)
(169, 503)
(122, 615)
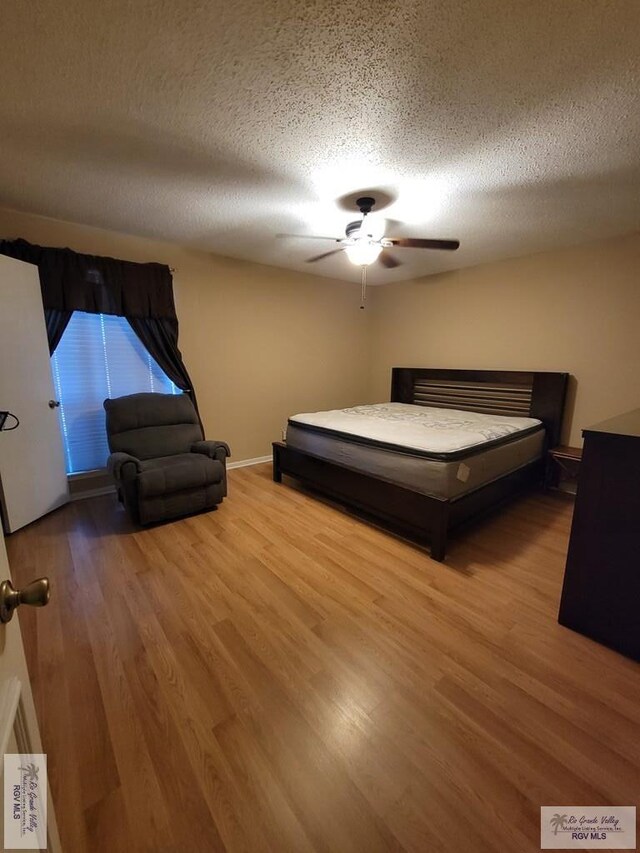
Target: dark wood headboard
(497, 392)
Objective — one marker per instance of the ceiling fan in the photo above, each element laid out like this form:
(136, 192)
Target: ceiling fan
(363, 248)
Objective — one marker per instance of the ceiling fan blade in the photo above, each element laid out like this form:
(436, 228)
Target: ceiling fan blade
(310, 237)
(388, 260)
(323, 255)
(418, 243)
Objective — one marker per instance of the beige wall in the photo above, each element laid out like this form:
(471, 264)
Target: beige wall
(575, 310)
(260, 343)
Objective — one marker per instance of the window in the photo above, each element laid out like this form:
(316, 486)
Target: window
(99, 356)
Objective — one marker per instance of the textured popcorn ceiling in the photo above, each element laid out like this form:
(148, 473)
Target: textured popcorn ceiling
(512, 125)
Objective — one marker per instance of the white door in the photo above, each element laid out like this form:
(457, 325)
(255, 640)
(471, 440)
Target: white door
(32, 469)
(19, 731)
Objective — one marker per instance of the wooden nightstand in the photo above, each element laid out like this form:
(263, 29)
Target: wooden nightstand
(563, 466)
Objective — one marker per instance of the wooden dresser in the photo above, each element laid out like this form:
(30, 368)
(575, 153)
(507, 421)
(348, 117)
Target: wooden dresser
(601, 592)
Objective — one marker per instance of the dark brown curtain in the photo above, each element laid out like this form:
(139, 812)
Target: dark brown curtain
(160, 337)
(143, 293)
(57, 322)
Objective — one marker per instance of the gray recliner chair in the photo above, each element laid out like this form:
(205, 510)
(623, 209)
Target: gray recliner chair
(161, 465)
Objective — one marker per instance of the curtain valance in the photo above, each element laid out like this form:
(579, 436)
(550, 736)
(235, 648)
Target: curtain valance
(71, 281)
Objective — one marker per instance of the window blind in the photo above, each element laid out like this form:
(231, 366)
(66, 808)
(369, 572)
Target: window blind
(99, 356)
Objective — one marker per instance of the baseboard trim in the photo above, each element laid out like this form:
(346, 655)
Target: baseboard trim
(109, 489)
(92, 493)
(244, 463)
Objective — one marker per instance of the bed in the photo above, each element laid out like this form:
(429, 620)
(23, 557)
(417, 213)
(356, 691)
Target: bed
(450, 446)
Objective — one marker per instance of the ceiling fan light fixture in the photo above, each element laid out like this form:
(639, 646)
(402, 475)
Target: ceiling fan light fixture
(364, 243)
(363, 251)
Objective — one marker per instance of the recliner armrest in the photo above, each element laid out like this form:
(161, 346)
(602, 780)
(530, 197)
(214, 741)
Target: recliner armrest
(123, 466)
(213, 449)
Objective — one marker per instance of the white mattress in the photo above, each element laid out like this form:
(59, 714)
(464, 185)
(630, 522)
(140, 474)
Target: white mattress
(436, 477)
(435, 433)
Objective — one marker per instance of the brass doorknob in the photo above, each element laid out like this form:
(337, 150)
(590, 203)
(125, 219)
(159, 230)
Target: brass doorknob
(35, 594)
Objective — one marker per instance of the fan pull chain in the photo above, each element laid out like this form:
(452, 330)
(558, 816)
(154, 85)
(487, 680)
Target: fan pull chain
(363, 292)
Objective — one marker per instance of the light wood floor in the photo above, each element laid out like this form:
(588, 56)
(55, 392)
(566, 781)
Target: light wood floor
(277, 675)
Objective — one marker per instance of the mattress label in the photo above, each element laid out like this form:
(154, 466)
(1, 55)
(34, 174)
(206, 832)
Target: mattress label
(463, 472)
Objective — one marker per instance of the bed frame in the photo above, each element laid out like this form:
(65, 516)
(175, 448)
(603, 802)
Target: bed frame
(421, 517)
